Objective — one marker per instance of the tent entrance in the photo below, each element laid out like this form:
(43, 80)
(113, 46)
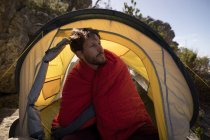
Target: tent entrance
(131, 53)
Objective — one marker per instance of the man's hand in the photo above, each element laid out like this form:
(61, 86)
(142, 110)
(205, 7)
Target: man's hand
(56, 133)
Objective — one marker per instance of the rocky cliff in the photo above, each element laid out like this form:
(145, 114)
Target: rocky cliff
(19, 20)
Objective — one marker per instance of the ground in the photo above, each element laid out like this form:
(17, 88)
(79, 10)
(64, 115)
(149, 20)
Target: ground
(9, 113)
(7, 117)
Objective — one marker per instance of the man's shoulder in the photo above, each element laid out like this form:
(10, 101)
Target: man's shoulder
(113, 58)
(73, 70)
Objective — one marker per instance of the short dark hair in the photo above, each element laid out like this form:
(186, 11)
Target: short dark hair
(78, 37)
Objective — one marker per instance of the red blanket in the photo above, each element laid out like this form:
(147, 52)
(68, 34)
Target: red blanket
(119, 109)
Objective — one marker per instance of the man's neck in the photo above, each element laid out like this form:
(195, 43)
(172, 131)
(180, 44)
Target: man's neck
(94, 67)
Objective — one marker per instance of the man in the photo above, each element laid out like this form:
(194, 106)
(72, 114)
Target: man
(101, 78)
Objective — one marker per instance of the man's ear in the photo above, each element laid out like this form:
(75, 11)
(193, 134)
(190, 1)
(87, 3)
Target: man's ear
(79, 54)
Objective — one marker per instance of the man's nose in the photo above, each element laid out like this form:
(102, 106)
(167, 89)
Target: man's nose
(100, 48)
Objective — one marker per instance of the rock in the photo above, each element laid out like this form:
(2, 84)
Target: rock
(23, 25)
(164, 29)
(21, 139)
(7, 117)
(19, 21)
(192, 136)
(7, 12)
(78, 4)
(8, 9)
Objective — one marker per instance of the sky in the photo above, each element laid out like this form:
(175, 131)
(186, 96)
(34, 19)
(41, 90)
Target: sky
(190, 19)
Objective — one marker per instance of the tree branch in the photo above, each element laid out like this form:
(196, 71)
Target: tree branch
(96, 3)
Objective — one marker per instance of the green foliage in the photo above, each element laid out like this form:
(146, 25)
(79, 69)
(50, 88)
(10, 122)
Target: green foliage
(200, 65)
(174, 46)
(105, 5)
(45, 6)
(132, 10)
(198, 68)
(188, 57)
(163, 29)
(199, 131)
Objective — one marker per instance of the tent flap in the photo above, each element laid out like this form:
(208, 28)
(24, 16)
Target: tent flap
(34, 122)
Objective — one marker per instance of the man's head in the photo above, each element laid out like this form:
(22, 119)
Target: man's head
(85, 43)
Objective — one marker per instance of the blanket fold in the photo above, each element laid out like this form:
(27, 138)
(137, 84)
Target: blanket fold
(117, 104)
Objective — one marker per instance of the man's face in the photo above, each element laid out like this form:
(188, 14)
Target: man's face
(92, 52)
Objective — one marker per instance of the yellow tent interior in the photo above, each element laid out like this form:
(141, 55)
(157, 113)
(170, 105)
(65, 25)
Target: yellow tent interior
(172, 93)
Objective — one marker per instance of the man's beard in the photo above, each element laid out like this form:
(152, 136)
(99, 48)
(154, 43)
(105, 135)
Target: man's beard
(100, 59)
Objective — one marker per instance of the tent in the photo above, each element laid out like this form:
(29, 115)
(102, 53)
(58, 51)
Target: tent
(42, 68)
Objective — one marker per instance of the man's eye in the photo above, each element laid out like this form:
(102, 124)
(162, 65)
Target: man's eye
(92, 46)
